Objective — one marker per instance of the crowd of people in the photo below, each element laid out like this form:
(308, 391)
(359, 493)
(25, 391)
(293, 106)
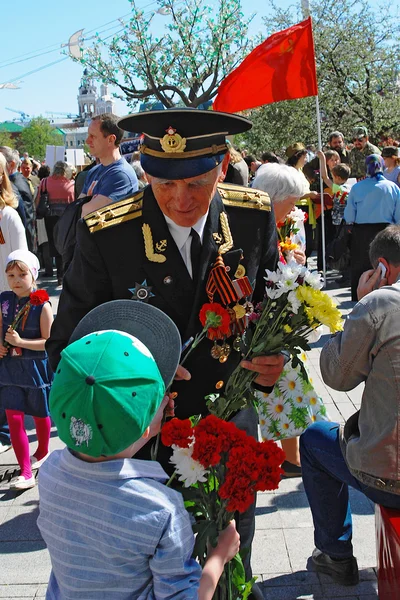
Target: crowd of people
(150, 232)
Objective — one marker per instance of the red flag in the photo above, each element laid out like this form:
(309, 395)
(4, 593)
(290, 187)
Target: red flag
(281, 68)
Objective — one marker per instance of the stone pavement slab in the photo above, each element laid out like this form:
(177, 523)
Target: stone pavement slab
(284, 534)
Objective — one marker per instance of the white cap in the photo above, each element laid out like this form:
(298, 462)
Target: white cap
(28, 258)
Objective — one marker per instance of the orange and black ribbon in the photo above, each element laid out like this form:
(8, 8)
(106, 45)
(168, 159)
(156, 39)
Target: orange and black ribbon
(220, 282)
(2, 240)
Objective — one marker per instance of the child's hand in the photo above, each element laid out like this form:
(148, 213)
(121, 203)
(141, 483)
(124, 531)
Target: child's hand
(321, 155)
(228, 543)
(3, 351)
(12, 337)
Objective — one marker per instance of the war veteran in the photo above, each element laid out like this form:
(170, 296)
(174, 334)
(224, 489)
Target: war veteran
(159, 246)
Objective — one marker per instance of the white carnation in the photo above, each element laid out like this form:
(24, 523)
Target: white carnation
(190, 470)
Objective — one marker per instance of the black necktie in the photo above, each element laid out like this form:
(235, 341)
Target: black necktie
(195, 253)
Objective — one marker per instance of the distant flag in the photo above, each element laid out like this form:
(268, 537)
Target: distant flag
(281, 68)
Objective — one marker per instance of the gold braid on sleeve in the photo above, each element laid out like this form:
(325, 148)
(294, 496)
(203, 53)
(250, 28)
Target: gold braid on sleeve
(149, 247)
(226, 232)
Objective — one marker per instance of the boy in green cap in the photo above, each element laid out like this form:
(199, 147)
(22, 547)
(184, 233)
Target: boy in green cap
(113, 529)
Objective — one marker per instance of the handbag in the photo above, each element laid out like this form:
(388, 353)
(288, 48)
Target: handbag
(338, 251)
(43, 208)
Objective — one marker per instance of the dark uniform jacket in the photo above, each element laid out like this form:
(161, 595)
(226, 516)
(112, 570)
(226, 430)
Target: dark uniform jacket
(110, 260)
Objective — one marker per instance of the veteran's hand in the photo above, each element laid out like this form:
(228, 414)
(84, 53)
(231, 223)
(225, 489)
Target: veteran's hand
(370, 280)
(268, 367)
(182, 373)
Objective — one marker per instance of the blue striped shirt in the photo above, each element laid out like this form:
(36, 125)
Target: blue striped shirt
(372, 201)
(115, 531)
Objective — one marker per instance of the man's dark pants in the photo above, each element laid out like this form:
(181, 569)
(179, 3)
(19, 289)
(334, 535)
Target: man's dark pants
(326, 479)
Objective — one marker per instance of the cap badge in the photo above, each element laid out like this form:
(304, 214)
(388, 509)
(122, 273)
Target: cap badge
(172, 141)
(80, 432)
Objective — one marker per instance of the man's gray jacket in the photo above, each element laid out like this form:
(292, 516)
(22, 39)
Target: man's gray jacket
(368, 350)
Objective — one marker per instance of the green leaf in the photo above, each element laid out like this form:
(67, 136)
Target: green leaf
(206, 530)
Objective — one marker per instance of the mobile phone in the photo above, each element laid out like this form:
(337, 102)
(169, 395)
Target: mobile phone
(382, 267)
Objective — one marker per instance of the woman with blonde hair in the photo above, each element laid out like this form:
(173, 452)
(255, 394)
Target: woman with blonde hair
(12, 231)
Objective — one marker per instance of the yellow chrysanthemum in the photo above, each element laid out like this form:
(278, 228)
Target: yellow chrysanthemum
(287, 245)
(287, 329)
(319, 307)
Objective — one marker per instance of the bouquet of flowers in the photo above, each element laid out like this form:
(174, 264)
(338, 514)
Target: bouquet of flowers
(35, 299)
(293, 307)
(288, 230)
(221, 468)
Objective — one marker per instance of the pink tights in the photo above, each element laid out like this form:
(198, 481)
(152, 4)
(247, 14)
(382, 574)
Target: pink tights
(20, 442)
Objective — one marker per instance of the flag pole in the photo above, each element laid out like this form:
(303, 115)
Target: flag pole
(321, 185)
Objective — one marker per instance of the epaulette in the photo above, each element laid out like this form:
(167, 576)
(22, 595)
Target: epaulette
(237, 195)
(114, 214)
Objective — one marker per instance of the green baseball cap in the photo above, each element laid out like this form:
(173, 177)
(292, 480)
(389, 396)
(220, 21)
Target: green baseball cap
(110, 383)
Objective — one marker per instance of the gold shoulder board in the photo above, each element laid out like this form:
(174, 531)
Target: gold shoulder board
(237, 195)
(116, 213)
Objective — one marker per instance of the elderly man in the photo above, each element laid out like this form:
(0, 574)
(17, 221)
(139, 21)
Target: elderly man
(160, 245)
(24, 190)
(113, 178)
(365, 454)
(336, 142)
(362, 149)
(26, 170)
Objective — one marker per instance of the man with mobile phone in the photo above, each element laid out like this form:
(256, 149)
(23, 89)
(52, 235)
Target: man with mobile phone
(365, 453)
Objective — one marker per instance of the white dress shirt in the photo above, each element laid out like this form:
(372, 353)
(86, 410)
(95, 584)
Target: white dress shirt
(183, 239)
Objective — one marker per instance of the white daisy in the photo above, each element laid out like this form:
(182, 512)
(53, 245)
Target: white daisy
(278, 407)
(286, 427)
(289, 384)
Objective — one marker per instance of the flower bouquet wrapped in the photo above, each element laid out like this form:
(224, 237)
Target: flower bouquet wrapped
(289, 231)
(221, 468)
(293, 307)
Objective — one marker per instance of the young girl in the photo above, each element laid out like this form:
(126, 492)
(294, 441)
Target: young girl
(25, 375)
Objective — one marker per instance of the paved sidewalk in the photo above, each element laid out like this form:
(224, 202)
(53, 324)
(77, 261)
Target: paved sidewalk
(284, 535)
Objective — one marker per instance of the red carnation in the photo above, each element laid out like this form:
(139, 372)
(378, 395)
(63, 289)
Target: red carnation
(206, 450)
(216, 319)
(177, 432)
(39, 297)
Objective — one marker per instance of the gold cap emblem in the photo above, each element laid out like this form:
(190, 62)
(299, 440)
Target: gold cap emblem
(172, 141)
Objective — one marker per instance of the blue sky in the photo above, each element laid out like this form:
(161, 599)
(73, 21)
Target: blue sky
(44, 29)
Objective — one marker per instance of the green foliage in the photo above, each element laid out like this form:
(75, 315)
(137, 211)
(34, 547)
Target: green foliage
(201, 45)
(36, 136)
(6, 139)
(357, 51)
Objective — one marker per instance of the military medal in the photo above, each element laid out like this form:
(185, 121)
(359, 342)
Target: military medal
(225, 352)
(240, 272)
(142, 292)
(240, 311)
(216, 351)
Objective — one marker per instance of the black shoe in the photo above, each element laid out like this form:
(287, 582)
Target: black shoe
(291, 470)
(256, 593)
(344, 572)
